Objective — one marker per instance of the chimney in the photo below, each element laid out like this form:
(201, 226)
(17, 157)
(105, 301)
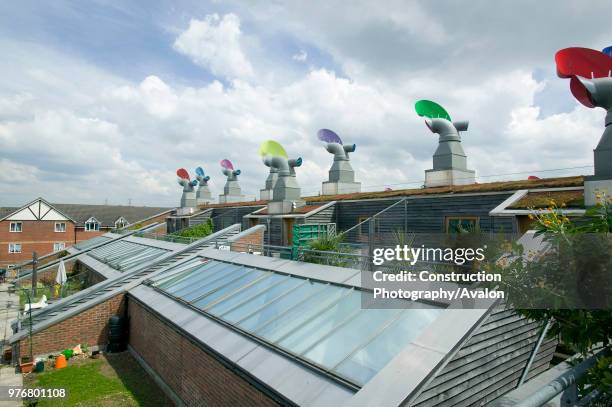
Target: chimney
(449, 160)
(231, 190)
(591, 83)
(341, 175)
(286, 191)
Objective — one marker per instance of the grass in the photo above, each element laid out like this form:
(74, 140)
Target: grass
(112, 380)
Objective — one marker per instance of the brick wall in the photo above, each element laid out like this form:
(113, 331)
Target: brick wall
(81, 234)
(94, 277)
(90, 327)
(256, 239)
(196, 377)
(47, 277)
(36, 236)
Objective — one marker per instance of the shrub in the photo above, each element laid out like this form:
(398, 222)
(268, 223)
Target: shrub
(196, 231)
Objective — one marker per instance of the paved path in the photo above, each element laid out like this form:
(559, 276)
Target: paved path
(9, 306)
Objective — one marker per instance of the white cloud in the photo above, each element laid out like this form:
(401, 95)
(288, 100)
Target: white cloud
(301, 56)
(87, 135)
(215, 43)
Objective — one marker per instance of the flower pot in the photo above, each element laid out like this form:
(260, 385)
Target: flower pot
(60, 361)
(95, 354)
(26, 367)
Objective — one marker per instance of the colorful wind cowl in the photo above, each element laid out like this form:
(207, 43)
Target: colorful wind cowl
(584, 65)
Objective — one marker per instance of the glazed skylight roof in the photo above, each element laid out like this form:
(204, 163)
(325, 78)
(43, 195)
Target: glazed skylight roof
(321, 324)
(123, 255)
(86, 244)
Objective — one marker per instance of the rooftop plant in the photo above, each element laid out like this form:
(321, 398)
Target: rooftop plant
(574, 275)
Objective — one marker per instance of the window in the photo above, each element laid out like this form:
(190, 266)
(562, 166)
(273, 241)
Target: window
(121, 222)
(59, 246)
(92, 225)
(14, 247)
(60, 226)
(457, 224)
(16, 227)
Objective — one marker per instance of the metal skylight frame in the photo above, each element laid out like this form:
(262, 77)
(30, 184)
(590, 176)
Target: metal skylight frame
(210, 285)
(86, 244)
(123, 255)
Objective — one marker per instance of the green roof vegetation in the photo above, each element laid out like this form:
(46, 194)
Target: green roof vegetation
(540, 200)
(196, 231)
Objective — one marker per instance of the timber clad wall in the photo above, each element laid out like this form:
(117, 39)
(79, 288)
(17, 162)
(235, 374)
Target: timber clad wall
(224, 217)
(327, 215)
(196, 377)
(199, 218)
(427, 215)
(88, 327)
(490, 364)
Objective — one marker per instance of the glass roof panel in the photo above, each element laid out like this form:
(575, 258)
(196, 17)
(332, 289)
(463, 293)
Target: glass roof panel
(247, 293)
(222, 290)
(258, 301)
(124, 255)
(363, 364)
(321, 324)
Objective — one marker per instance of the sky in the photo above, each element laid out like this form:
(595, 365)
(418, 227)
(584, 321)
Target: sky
(101, 101)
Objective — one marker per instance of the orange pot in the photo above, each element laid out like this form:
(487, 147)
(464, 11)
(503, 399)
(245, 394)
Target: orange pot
(60, 362)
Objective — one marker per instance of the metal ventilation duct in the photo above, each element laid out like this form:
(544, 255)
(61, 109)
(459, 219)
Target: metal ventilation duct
(231, 191)
(341, 175)
(449, 160)
(591, 84)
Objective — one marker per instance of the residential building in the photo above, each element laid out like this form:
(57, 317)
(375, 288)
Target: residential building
(42, 227)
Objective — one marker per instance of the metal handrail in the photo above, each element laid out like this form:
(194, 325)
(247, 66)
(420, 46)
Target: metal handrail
(565, 383)
(373, 216)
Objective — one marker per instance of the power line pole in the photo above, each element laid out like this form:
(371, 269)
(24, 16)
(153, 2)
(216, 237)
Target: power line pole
(34, 273)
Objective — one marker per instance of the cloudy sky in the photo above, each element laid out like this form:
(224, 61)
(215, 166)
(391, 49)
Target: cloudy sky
(103, 101)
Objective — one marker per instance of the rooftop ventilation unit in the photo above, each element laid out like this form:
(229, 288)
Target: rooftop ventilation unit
(591, 83)
(341, 174)
(188, 198)
(271, 148)
(449, 160)
(231, 190)
(286, 191)
(203, 194)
